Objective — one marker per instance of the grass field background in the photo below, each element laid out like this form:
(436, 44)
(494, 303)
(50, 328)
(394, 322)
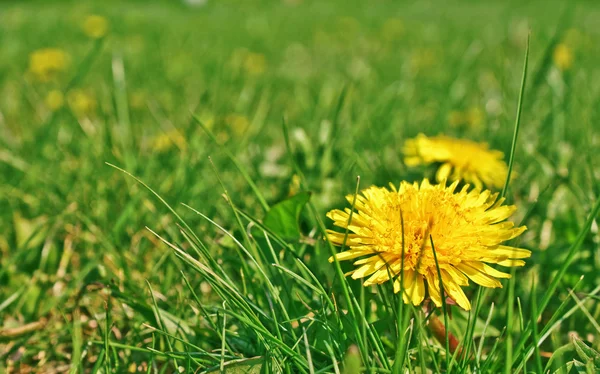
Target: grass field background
(199, 100)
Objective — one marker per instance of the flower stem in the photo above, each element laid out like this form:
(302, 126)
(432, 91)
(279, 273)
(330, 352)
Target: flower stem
(439, 331)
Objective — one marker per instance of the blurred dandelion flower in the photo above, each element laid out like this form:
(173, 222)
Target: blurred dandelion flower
(45, 64)
(472, 118)
(251, 63)
(138, 100)
(456, 118)
(166, 140)
(460, 158)
(475, 117)
(563, 57)
(207, 118)
(81, 103)
(467, 229)
(95, 26)
(237, 123)
(295, 184)
(54, 100)
(423, 59)
(255, 63)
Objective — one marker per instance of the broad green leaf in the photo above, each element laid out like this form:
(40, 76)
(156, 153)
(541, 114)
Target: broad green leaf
(283, 217)
(586, 353)
(573, 367)
(459, 323)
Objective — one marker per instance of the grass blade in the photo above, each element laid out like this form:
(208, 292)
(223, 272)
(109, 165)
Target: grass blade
(511, 289)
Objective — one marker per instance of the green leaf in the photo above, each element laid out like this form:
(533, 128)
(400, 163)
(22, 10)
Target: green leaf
(283, 217)
(566, 368)
(460, 322)
(586, 353)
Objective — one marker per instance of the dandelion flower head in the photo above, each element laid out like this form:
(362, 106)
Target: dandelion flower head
(459, 158)
(563, 57)
(166, 140)
(45, 64)
(472, 118)
(255, 63)
(54, 100)
(389, 239)
(95, 26)
(81, 103)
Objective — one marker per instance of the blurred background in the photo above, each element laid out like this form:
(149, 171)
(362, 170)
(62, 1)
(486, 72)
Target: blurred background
(84, 83)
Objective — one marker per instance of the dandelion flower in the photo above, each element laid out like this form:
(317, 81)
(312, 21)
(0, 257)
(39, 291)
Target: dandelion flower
(456, 118)
(467, 229)
(95, 26)
(166, 140)
(460, 159)
(423, 59)
(255, 63)
(45, 64)
(472, 118)
(475, 117)
(81, 103)
(563, 57)
(54, 100)
(237, 123)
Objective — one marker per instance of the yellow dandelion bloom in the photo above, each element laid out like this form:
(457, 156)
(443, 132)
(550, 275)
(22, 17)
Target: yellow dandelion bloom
(475, 117)
(138, 100)
(255, 63)
(460, 159)
(472, 118)
(237, 123)
(423, 59)
(166, 140)
(54, 100)
(456, 118)
(563, 57)
(467, 229)
(294, 185)
(46, 64)
(95, 26)
(81, 103)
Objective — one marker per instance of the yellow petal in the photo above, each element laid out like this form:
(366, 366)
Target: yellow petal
(478, 277)
(457, 294)
(418, 290)
(407, 280)
(412, 161)
(433, 288)
(384, 273)
(513, 252)
(510, 263)
(351, 254)
(486, 269)
(443, 172)
(456, 276)
(364, 270)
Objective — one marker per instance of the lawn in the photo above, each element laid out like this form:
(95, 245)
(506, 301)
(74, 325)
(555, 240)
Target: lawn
(166, 170)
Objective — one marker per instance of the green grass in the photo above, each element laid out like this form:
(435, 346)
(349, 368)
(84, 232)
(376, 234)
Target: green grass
(218, 112)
